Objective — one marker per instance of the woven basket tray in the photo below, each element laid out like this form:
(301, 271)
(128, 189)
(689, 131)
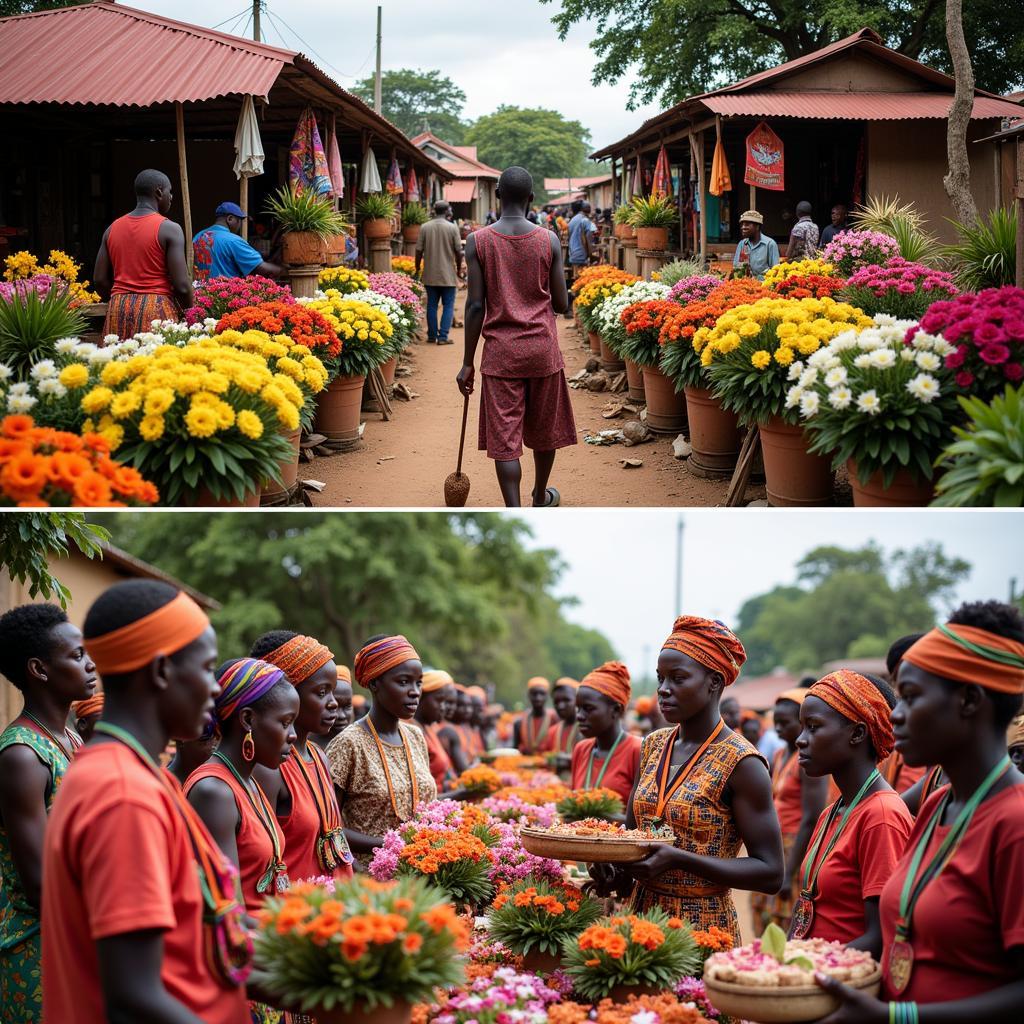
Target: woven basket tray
(588, 849)
(784, 1005)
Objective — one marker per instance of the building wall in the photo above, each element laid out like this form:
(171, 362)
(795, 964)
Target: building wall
(854, 72)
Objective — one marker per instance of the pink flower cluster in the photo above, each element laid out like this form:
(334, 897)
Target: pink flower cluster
(852, 249)
(513, 809)
(41, 284)
(507, 996)
(987, 329)
(691, 990)
(396, 286)
(512, 863)
(693, 289)
(902, 276)
(384, 865)
(220, 295)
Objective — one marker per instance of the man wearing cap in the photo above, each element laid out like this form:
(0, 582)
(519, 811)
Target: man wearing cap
(757, 252)
(220, 250)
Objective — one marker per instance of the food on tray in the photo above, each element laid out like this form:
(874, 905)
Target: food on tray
(598, 828)
(756, 966)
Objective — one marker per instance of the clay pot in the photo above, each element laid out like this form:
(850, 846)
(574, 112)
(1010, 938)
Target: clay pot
(595, 342)
(289, 470)
(794, 477)
(203, 497)
(635, 380)
(652, 239)
(388, 372)
(377, 228)
(399, 1013)
(666, 410)
(610, 362)
(621, 993)
(411, 233)
(714, 434)
(303, 248)
(338, 408)
(624, 231)
(906, 490)
(542, 963)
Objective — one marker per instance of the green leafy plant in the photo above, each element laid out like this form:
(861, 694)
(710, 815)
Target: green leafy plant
(376, 206)
(622, 214)
(652, 212)
(414, 214)
(590, 803)
(903, 222)
(535, 913)
(304, 210)
(985, 464)
(31, 324)
(773, 942)
(985, 256)
(674, 272)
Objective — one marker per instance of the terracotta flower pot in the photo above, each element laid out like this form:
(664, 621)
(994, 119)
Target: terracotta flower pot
(377, 228)
(794, 477)
(542, 963)
(399, 1013)
(595, 342)
(905, 491)
(714, 434)
(622, 230)
(204, 497)
(652, 239)
(610, 362)
(289, 470)
(388, 371)
(635, 380)
(666, 410)
(303, 248)
(338, 408)
(411, 233)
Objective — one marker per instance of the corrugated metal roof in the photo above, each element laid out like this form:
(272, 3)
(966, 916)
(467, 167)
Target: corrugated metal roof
(462, 191)
(853, 106)
(459, 164)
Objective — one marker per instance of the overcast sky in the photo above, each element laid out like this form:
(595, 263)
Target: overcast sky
(622, 562)
(526, 67)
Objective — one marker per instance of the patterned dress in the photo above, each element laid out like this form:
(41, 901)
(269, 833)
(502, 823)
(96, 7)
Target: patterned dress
(21, 987)
(703, 824)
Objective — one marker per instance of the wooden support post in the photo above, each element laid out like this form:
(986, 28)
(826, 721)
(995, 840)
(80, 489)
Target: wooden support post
(753, 198)
(702, 185)
(1019, 196)
(243, 202)
(186, 203)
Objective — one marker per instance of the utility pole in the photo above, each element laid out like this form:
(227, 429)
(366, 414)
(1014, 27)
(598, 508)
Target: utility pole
(679, 567)
(257, 7)
(378, 101)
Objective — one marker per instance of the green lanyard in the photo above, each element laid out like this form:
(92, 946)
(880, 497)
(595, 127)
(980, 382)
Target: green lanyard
(813, 866)
(604, 767)
(913, 886)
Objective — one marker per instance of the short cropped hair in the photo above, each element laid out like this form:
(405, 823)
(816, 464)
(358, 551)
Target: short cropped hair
(27, 632)
(515, 184)
(148, 181)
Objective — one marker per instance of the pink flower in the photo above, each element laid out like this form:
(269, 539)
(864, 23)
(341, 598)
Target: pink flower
(994, 355)
(964, 379)
(1013, 371)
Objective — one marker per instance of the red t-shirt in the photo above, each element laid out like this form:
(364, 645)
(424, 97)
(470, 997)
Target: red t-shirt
(533, 731)
(117, 859)
(622, 770)
(859, 865)
(440, 762)
(787, 791)
(137, 256)
(972, 915)
(561, 739)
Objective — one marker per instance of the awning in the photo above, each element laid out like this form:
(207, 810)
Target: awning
(852, 106)
(460, 191)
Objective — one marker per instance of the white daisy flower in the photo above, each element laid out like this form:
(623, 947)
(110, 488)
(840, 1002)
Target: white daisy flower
(808, 377)
(884, 319)
(795, 369)
(21, 388)
(793, 397)
(817, 358)
(923, 387)
(908, 355)
(52, 388)
(65, 346)
(110, 339)
(863, 361)
(869, 403)
(809, 403)
(43, 369)
(20, 403)
(883, 358)
(835, 377)
(101, 355)
(5, 372)
(840, 398)
(927, 360)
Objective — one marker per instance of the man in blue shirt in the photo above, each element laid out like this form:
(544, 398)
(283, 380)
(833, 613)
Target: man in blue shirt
(220, 250)
(757, 252)
(580, 231)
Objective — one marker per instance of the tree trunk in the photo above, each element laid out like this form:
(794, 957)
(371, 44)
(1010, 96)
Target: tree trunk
(958, 179)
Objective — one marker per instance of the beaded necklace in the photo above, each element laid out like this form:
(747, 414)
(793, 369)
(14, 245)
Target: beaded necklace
(332, 849)
(74, 742)
(387, 771)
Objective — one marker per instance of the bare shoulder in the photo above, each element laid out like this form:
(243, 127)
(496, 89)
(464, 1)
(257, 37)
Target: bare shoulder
(172, 231)
(211, 793)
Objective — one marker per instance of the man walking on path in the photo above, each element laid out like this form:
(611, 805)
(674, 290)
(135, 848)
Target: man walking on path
(141, 263)
(439, 253)
(516, 286)
(221, 251)
(581, 233)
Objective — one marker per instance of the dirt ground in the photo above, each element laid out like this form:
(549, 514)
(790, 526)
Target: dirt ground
(403, 463)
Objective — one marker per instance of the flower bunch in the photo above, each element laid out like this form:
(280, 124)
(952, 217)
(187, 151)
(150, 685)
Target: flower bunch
(868, 397)
(852, 249)
(608, 319)
(479, 779)
(303, 324)
(401, 288)
(404, 265)
(598, 290)
(41, 284)
(403, 323)
(60, 266)
(336, 945)
(41, 467)
(512, 863)
(600, 272)
(546, 793)
(590, 803)
(664, 1008)
(49, 392)
(898, 287)
(516, 811)
(520, 764)
(987, 332)
(456, 861)
(643, 322)
(694, 289)
(506, 997)
(747, 354)
(809, 286)
(536, 913)
(638, 949)
(364, 330)
(344, 279)
(219, 296)
(714, 940)
(774, 276)
(691, 992)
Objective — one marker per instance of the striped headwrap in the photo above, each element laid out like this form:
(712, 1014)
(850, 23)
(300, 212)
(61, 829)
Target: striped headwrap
(300, 657)
(710, 643)
(969, 654)
(859, 700)
(242, 683)
(379, 656)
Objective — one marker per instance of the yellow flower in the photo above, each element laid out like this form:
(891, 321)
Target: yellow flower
(124, 404)
(249, 424)
(783, 355)
(249, 381)
(114, 435)
(218, 383)
(74, 375)
(225, 415)
(288, 416)
(96, 400)
(205, 398)
(808, 344)
(749, 329)
(159, 400)
(113, 373)
(201, 421)
(760, 359)
(290, 366)
(151, 428)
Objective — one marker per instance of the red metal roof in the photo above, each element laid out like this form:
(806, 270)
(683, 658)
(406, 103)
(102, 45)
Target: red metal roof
(853, 106)
(463, 191)
(459, 163)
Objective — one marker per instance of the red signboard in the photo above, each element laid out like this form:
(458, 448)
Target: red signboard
(765, 159)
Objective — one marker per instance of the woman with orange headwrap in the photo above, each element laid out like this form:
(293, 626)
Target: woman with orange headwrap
(608, 756)
(438, 691)
(707, 784)
(531, 730)
(566, 734)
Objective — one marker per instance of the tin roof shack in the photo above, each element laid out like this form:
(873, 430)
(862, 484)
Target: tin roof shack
(472, 192)
(855, 118)
(90, 95)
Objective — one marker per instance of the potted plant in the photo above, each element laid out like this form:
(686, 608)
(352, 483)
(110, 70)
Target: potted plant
(642, 324)
(308, 221)
(414, 216)
(898, 288)
(623, 225)
(218, 296)
(34, 315)
(377, 210)
(652, 216)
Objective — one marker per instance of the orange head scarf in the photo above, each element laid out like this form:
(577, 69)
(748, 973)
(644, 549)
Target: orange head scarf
(538, 683)
(299, 657)
(358, 700)
(344, 675)
(708, 642)
(644, 706)
(436, 680)
(477, 691)
(796, 695)
(968, 654)
(611, 680)
(380, 656)
(90, 706)
(859, 700)
(567, 682)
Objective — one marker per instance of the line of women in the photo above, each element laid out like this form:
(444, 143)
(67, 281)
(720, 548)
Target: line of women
(143, 903)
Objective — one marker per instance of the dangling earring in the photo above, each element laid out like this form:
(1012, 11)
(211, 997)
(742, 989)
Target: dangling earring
(248, 747)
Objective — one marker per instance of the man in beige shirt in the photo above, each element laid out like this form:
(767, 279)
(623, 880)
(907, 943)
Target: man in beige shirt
(439, 255)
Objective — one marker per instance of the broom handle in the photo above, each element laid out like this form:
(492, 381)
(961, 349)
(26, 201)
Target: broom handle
(462, 439)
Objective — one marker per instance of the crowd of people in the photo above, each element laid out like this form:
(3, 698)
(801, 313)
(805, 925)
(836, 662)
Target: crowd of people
(137, 846)
(757, 253)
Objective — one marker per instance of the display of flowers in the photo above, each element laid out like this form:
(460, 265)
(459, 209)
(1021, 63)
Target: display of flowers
(538, 914)
(642, 323)
(609, 317)
(302, 323)
(45, 468)
(600, 272)
(514, 810)
(694, 289)
(364, 330)
(358, 944)
(899, 288)
(344, 279)
(809, 286)
(218, 296)
(479, 779)
(49, 392)
(23, 266)
(636, 949)
(512, 863)
(402, 289)
(748, 353)
(774, 276)
(869, 397)
(404, 265)
(403, 323)
(591, 296)
(987, 333)
(506, 997)
(548, 793)
(852, 249)
(590, 803)
(664, 1008)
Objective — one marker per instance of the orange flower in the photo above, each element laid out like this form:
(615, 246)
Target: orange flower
(412, 943)
(24, 475)
(440, 917)
(67, 468)
(92, 490)
(17, 426)
(352, 950)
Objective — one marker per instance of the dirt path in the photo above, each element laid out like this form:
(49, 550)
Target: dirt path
(403, 463)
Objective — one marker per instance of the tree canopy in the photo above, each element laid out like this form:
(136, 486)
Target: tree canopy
(414, 100)
(464, 588)
(679, 48)
(9, 8)
(847, 603)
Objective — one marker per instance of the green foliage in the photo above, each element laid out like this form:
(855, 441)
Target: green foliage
(652, 212)
(28, 540)
(414, 214)
(30, 323)
(985, 464)
(590, 803)
(674, 272)
(464, 588)
(681, 364)
(985, 256)
(9, 8)
(415, 101)
(376, 206)
(532, 927)
(901, 221)
(304, 210)
(622, 214)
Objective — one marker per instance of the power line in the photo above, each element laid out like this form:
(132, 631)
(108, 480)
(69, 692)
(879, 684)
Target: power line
(231, 17)
(319, 56)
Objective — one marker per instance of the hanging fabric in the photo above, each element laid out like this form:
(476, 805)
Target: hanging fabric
(720, 179)
(662, 185)
(334, 164)
(249, 155)
(307, 164)
(369, 180)
(395, 186)
(412, 187)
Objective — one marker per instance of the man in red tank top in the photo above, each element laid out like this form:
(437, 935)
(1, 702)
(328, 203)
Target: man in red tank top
(141, 263)
(516, 286)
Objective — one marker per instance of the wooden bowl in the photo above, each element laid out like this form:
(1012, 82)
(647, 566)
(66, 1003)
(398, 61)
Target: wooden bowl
(588, 849)
(782, 1005)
